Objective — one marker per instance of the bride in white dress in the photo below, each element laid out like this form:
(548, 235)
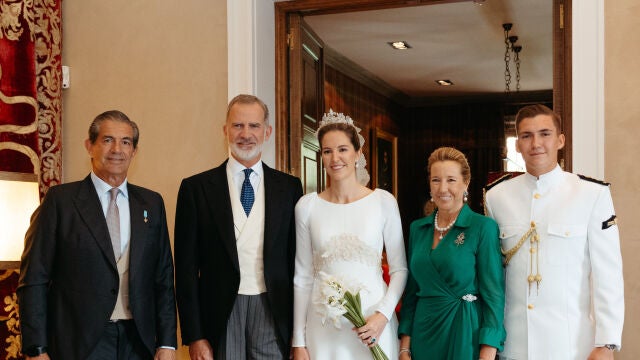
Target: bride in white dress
(341, 233)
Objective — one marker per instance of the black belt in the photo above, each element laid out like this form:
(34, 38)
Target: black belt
(119, 320)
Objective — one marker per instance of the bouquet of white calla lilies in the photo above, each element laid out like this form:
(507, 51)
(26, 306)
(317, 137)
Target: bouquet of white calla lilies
(338, 300)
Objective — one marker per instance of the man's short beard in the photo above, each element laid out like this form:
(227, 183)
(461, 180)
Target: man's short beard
(246, 155)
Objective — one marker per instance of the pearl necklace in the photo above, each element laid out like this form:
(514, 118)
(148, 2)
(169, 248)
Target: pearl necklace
(444, 229)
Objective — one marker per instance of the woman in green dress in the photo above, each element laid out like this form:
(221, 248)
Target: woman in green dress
(453, 307)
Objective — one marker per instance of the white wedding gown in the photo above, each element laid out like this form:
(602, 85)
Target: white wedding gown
(346, 242)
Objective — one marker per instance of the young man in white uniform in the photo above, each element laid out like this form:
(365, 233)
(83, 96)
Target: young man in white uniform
(563, 267)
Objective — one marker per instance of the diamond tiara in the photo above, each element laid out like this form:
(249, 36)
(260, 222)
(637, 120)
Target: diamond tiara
(335, 118)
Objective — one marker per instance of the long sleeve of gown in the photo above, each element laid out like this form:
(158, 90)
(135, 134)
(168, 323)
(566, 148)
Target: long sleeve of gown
(396, 258)
(491, 286)
(303, 276)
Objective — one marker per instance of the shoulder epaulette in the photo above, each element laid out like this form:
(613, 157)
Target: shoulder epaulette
(594, 180)
(497, 181)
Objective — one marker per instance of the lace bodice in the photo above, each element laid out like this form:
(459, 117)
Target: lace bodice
(348, 248)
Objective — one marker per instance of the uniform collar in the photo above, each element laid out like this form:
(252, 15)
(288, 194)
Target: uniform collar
(545, 180)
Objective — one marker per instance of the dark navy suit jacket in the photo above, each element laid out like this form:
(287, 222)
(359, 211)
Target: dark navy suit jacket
(68, 276)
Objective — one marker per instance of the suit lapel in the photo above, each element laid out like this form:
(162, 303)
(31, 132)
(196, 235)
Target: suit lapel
(273, 188)
(89, 209)
(218, 199)
(137, 208)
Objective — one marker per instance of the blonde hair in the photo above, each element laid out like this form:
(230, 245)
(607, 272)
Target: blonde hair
(451, 154)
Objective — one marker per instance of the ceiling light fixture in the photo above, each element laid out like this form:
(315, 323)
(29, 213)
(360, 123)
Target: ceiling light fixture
(399, 45)
(444, 82)
(509, 48)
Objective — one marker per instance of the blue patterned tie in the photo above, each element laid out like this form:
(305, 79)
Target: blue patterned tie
(246, 195)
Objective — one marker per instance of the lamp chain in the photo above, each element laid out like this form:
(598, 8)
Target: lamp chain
(516, 59)
(507, 58)
(511, 47)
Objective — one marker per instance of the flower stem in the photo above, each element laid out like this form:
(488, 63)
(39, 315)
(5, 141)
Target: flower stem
(377, 353)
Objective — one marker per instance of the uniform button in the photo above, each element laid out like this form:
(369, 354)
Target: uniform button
(113, 291)
(537, 196)
(566, 233)
(530, 306)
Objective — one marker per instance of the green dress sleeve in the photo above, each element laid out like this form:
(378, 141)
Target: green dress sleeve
(490, 275)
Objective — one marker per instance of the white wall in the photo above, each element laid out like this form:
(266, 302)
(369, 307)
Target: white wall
(251, 39)
(588, 87)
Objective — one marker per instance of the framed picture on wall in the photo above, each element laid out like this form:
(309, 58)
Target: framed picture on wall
(385, 161)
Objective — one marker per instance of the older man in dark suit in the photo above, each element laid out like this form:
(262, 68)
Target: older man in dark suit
(96, 278)
(235, 248)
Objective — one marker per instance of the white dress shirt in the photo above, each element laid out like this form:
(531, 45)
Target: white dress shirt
(249, 229)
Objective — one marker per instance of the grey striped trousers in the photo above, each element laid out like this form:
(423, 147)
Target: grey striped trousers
(251, 332)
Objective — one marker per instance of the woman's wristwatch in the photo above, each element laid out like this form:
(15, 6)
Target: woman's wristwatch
(611, 347)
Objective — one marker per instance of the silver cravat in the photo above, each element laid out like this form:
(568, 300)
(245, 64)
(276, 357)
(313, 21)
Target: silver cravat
(113, 222)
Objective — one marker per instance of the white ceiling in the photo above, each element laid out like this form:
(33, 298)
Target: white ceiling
(462, 42)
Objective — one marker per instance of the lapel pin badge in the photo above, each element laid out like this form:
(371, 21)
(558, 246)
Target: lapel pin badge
(146, 219)
(459, 240)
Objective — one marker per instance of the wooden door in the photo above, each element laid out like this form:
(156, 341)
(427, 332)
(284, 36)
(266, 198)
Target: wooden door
(562, 76)
(306, 99)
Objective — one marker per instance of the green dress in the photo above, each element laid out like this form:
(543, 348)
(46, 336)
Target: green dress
(439, 311)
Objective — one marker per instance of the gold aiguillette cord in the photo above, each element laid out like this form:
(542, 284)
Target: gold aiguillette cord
(534, 239)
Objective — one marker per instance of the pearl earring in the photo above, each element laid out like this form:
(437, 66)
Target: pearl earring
(466, 194)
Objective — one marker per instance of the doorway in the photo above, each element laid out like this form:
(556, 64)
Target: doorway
(290, 122)
(287, 10)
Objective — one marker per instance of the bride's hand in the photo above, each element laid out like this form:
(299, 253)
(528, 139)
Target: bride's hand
(300, 353)
(370, 333)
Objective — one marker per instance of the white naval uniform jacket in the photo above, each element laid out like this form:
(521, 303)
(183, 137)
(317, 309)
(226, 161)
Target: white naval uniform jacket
(579, 303)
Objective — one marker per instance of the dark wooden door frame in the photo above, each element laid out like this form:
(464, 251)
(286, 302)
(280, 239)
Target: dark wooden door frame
(561, 61)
